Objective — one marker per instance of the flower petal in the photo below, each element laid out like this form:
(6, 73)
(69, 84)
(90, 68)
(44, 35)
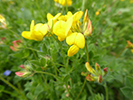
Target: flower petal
(68, 25)
(32, 25)
(44, 29)
(71, 38)
(80, 40)
(27, 35)
(72, 50)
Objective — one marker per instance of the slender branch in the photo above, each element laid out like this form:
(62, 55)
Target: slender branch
(87, 52)
(81, 89)
(12, 86)
(121, 52)
(106, 90)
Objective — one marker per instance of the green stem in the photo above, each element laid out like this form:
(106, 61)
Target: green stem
(81, 89)
(120, 52)
(83, 5)
(87, 52)
(8, 92)
(106, 90)
(12, 86)
(47, 74)
(60, 48)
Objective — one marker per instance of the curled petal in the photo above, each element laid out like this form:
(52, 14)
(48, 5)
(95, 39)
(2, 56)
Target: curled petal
(72, 50)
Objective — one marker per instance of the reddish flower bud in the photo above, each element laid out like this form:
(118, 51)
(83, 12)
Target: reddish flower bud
(12, 48)
(22, 66)
(20, 74)
(90, 78)
(105, 69)
(100, 78)
(130, 45)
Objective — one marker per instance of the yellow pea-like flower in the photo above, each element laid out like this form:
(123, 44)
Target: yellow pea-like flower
(89, 68)
(72, 50)
(37, 32)
(61, 28)
(64, 2)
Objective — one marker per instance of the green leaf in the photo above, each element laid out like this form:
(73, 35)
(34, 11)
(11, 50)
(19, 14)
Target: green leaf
(127, 91)
(129, 82)
(66, 78)
(1, 88)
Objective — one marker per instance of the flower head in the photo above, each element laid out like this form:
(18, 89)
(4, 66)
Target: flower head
(64, 2)
(37, 32)
(16, 45)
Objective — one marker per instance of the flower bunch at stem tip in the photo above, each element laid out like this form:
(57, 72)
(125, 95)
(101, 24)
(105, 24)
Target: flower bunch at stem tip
(95, 74)
(64, 27)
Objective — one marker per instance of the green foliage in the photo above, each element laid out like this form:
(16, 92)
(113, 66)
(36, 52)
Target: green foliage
(54, 75)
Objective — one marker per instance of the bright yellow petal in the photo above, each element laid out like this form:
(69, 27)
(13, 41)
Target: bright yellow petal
(61, 39)
(80, 40)
(37, 26)
(68, 25)
(62, 2)
(32, 25)
(49, 16)
(71, 38)
(37, 36)
(56, 16)
(77, 16)
(59, 29)
(72, 50)
(69, 2)
(44, 29)
(27, 35)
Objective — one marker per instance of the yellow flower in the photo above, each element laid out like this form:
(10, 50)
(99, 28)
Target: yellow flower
(2, 21)
(64, 2)
(61, 28)
(131, 1)
(77, 40)
(37, 32)
(122, 0)
(65, 17)
(89, 68)
(52, 19)
(97, 13)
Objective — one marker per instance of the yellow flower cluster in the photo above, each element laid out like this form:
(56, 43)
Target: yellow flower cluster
(64, 2)
(64, 27)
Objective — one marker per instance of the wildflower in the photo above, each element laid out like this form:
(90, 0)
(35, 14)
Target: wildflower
(26, 72)
(2, 22)
(131, 1)
(87, 25)
(95, 74)
(77, 40)
(16, 45)
(7, 73)
(61, 28)
(64, 2)
(130, 45)
(37, 32)
(97, 12)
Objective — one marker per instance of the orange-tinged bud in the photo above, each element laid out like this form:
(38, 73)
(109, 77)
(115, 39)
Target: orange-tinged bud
(98, 67)
(100, 78)
(22, 66)
(90, 78)
(105, 69)
(88, 31)
(23, 74)
(130, 45)
(13, 48)
(85, 20)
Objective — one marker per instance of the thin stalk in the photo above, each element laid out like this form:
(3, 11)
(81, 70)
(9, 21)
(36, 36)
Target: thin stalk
(47, 74)
(106, 90)
(12, 86)
(81, 89)
(8, 92)
(60, 48)
(87, 52)
(83, 5)
(121, 52)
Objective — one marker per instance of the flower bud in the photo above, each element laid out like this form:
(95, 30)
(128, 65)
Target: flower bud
(22, 66)
(88, 31)
(130, 45)
(83, 74)
(98, 67)
(90, 78)
(89, 68)
(100, 78)
(22, 73)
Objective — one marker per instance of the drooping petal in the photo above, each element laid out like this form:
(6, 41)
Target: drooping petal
(72, 50)
(71, 38)
(27, 35)
(80, 40)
